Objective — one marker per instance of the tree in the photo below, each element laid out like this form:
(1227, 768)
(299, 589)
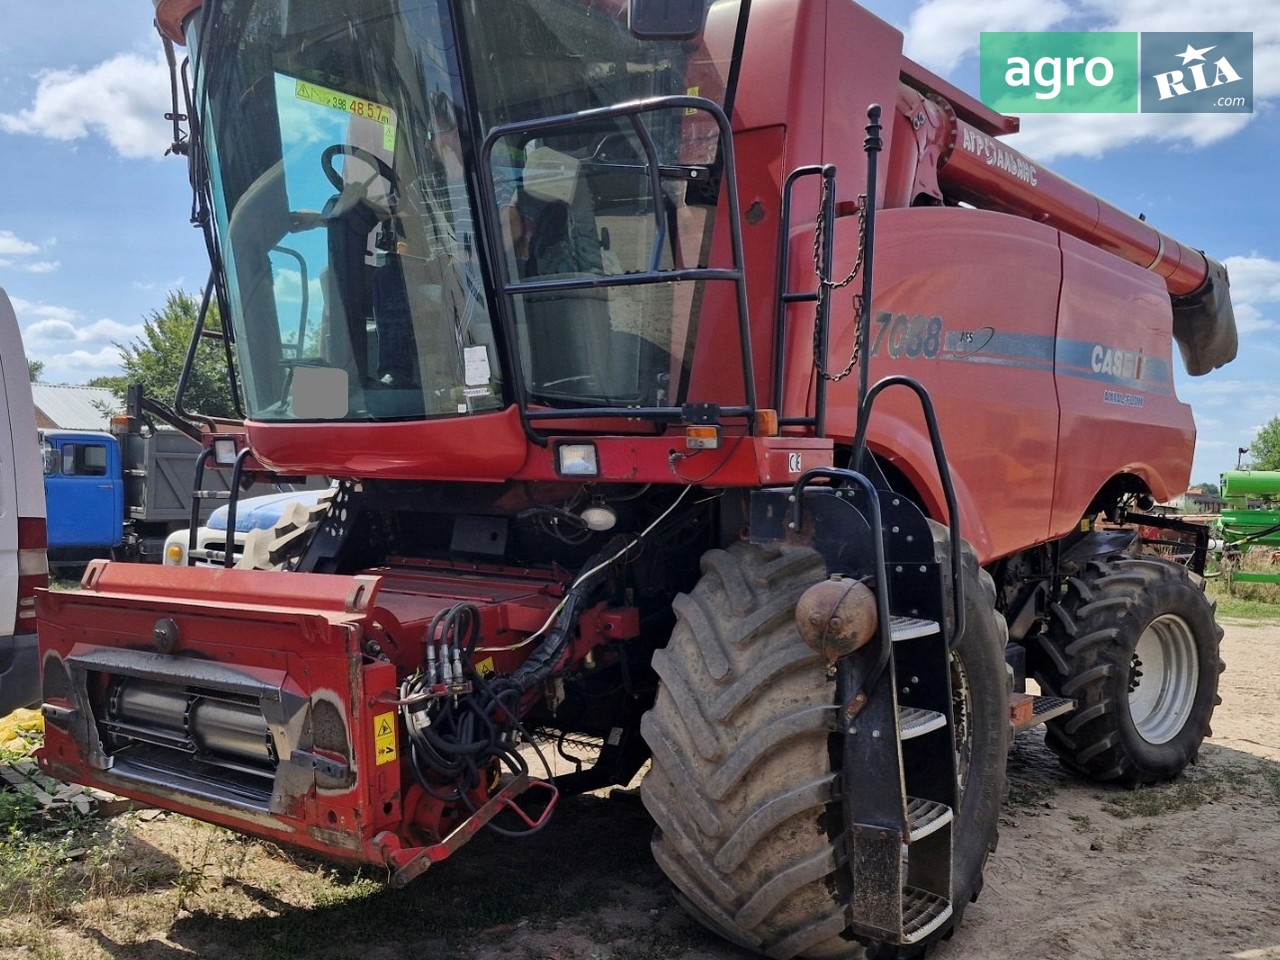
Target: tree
(1209, 488)
(35, 370)
(155, 359)
(1265, 449)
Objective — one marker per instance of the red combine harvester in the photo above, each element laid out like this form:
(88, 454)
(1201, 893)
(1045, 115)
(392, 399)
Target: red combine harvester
(562, 293)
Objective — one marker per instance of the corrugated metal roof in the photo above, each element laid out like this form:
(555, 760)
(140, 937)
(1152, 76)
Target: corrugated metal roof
(74, 408)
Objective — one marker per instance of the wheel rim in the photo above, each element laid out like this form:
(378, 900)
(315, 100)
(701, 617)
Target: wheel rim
(1163, 678)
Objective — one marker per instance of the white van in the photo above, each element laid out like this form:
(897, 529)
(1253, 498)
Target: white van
(23, 565)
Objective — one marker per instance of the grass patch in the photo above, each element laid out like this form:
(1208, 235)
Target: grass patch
(1194, 789)
(1271, 777)
(50, 864)
(1160, 799)
(1083, 823)
(1253, 560)
(1027, 793)
(1244, 609)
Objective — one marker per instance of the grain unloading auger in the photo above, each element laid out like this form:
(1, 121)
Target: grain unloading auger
(534, 280)
(966, 163)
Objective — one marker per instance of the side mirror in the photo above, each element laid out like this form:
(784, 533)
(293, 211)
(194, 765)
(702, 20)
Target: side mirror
(666, 19)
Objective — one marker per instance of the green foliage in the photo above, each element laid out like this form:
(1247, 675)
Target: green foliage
(1265, 449)
(155, 359)
(35, 370)
(1210, 488)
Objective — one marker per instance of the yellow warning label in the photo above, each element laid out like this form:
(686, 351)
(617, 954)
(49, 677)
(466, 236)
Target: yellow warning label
(486, 668)
(691, 92)
(355, 106)
(384, 737)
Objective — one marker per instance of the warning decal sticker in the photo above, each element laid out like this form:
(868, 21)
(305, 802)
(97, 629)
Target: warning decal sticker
(384, 737)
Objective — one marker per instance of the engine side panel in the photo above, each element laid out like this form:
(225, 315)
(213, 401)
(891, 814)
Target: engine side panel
(1114, 375)
(966, 302)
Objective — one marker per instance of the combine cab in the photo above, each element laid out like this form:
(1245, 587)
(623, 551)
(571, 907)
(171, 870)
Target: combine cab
(680, 406)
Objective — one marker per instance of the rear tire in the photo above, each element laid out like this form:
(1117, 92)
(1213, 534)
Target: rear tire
(741, 782)
(1134, 642)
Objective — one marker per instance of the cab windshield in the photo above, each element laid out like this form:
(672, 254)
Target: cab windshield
(342, 163)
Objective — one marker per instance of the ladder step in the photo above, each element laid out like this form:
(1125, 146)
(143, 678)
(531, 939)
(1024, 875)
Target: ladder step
(922, 913)
(910, 628)
(1026, 711)
(925, 816)
(915, 722)
(1046, 708)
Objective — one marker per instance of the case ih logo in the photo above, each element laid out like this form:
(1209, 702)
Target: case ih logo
(1197, 73)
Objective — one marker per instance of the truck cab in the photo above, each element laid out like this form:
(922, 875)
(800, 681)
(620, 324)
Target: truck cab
(84, 488)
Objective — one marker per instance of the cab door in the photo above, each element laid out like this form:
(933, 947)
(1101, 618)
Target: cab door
(84, 491)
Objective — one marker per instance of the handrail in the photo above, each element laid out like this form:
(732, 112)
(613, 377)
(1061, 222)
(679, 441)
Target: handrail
(944, 474)
(632, 110)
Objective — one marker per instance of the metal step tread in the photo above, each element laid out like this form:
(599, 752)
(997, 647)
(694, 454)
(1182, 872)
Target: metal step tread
(1045, 708)
(922, 913)
(916, 721)
(910, 628)
(926, 816)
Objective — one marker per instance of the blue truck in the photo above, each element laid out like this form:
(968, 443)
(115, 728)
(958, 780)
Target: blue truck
(117, 494)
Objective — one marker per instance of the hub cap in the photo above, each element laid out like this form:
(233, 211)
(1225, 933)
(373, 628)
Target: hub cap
(1162, 678)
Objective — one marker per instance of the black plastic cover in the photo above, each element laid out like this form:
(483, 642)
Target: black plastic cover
(1204, 324)
(666, 19)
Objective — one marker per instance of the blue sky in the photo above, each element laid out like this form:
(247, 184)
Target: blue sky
(93, 219)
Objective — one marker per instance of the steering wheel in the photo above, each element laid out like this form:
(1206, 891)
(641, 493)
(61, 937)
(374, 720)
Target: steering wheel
(380, 169)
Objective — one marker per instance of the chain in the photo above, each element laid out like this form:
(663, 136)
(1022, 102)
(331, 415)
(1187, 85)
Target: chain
(826, 287)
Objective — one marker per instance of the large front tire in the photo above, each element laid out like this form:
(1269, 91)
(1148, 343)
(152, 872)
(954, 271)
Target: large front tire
(741, 785)
(1135, 643)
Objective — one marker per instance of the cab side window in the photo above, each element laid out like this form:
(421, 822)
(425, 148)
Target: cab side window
(84, 460)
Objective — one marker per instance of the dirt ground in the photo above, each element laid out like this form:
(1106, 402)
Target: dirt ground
(1186, 871)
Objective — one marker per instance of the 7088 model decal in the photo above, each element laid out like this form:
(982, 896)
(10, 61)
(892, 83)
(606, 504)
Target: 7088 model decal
(907, 336)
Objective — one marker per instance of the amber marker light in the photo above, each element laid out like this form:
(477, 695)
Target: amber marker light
(702, 437)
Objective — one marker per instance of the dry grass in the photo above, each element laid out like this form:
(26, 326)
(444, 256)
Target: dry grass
(1253, 560)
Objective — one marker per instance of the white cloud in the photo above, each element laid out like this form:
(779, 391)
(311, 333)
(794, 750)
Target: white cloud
(1254, 279)
(941, 33)
(79, 366)
(51, 330)
(123, 99)
(25, 310)
(12, 245)
(1047, 136)
(37, 266)
(100, 331)
(13, 250)
(1249, 319)
(73, 351)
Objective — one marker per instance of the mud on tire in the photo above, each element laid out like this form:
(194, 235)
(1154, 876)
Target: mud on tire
(741, 782)
(1134, 642)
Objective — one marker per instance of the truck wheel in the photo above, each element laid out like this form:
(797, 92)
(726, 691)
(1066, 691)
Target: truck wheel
(1134, 643)
(742, 775)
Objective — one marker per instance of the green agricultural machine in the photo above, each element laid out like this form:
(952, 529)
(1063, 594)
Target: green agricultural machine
(1250, 518)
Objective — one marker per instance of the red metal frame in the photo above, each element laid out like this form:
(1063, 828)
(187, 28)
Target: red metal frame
(307, 636)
